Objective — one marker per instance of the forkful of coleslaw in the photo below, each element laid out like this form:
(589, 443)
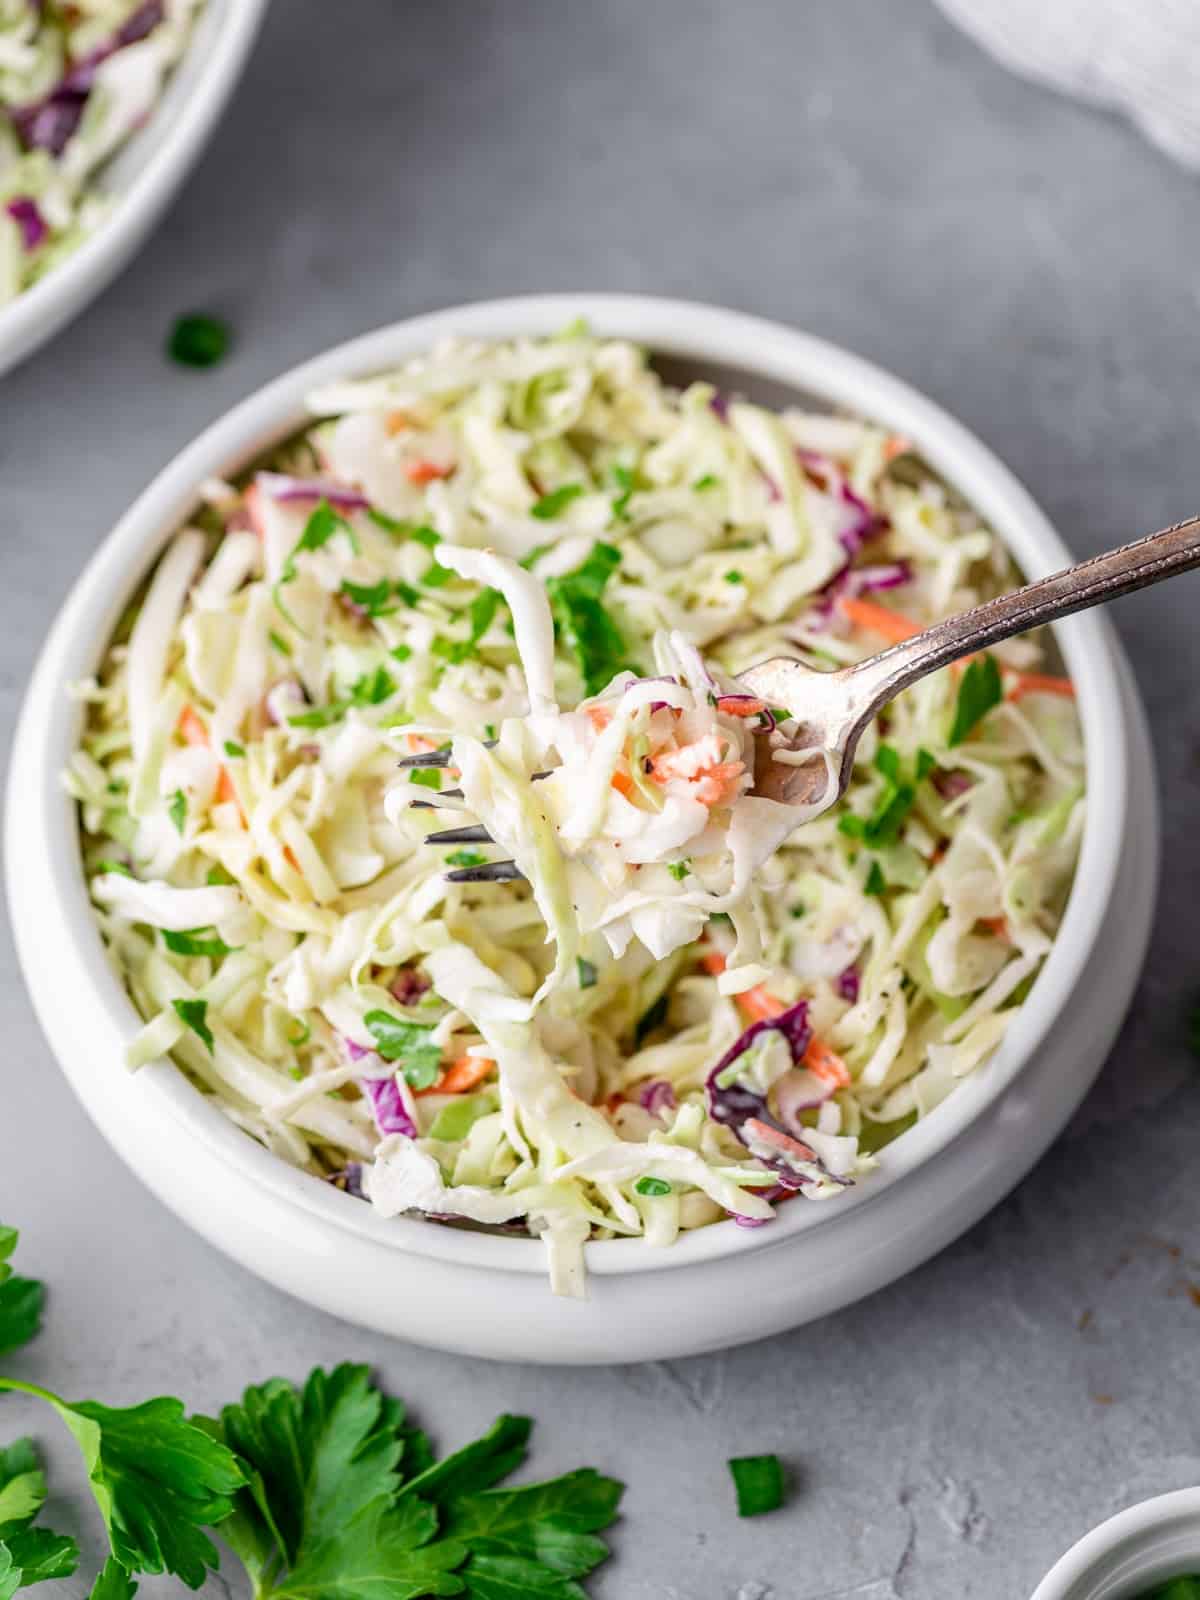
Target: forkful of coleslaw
(652, 805)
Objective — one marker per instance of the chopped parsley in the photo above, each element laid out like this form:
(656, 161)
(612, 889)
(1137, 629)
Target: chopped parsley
(587, 973)
(373, 688)
(734, 576)
(401, 653)
(217, 875)
(586, 627)
(679, 869)
(199, 340)
(652, 1186)
(319, 716)
(114, 866)
(550, 505)
(482, 611)
(758, 1483)
(279, 643)
(426, 777)
(195, 942)
(707, 480)
(435, 575)
(375, 599)
(875, 883)
(465, 858)
(194, 1014)
(233, 749)
(425, 535)
(979, 691)
(625, 482)
(177, 810)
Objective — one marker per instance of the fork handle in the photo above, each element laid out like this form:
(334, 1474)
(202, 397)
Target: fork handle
(1105, 577)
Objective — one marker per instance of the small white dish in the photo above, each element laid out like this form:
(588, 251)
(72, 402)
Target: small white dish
(487, 1295)
(142, 178)
(1129, 1554)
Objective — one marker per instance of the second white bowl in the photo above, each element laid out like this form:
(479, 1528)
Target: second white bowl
(1131, 1553)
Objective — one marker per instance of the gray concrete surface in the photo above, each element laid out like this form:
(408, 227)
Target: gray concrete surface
(860, 170)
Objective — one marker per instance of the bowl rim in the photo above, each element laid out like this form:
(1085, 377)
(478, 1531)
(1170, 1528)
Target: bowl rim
(141, 176)
(41, 823)
(1083, 1562)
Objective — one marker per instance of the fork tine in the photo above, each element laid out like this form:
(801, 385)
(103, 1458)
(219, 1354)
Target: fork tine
(432, 805)
(476, 835)
(437, 758)
(427, 758)
(490, 872)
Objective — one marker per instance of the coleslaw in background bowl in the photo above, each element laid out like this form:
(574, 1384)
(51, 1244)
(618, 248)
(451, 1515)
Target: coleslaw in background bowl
(706, 341)
(101, 122)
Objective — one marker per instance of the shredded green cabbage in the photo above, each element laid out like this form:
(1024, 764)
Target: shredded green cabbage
(462, 554)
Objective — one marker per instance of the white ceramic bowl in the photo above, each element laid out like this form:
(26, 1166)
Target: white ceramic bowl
(487, 1295)
(142, 178)
(1130, 1553)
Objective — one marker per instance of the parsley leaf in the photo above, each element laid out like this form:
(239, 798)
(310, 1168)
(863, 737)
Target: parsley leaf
(527, 1541)
(426, 777)
(278, 643)
(734, 576)
(679, 869)
(234, 750)
(195, 942)
(28, 1555)
(707, 480)
(177, 810)
(193, 1014)
(587, 973)
(556, 501)
(406, 1043)
(21, 1299)
(590, 633)
(876, 883)
(978, 692)
(114, 1583)
(320, 528)
(157, 1480)
(198, 340)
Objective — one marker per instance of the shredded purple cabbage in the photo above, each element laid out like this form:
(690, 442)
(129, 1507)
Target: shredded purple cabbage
(49, 123)
(736, 1105)
(657, 1096)
(851, 581)
(848, 985)
(33, 226)
(766, 713)
(287, 489)
(349, 1179)
(387, 1105)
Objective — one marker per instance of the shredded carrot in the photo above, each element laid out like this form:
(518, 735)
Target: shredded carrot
(778, 1140)
(192, 731)
(623, 784)
(736, 705)
(613, 1102)
(420, 472)
(462, 1075)
(759, 1004)
(866, 614)
(897, 445)
(191, 727)
(420, 742)
(996, 925)
(396, 422)
(1024, 683)
(713, 961)
(598, 716)
(826, 1064)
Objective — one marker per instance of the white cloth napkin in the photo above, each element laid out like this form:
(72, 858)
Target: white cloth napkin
(1140, 56)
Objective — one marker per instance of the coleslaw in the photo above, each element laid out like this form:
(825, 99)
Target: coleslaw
(75, 82)
(696, 1003)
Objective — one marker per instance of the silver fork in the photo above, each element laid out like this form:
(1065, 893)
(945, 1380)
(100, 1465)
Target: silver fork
(832, 709)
